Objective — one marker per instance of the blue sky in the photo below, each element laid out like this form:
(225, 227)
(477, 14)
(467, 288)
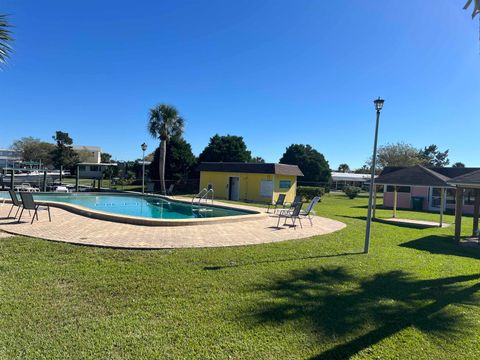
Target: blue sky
(275, 72)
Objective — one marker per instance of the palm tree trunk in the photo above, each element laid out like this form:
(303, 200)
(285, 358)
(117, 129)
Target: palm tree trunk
(161, 165)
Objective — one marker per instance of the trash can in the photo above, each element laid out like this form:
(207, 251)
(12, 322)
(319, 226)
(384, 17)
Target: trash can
(417, 203)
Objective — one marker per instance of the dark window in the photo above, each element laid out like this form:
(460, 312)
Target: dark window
(451, 196)
(81, 168)
(402, 189)
(285, 184)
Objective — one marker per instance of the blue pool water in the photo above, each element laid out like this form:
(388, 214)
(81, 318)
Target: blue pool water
(137, 205)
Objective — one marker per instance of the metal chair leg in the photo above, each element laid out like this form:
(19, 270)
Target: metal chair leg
(33, 217)
(49, 217)
(10, 211)
(16, 213)
(300, 221)
(20, 217)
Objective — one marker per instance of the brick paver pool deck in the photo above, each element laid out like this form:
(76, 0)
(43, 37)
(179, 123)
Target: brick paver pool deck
(76, 229)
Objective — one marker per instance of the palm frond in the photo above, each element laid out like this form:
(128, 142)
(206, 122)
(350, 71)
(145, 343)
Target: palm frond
(5, 39)
(164, 122)
(476, 7)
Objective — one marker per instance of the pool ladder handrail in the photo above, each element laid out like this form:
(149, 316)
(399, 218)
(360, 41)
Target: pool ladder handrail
(203, 195)
(199, 195)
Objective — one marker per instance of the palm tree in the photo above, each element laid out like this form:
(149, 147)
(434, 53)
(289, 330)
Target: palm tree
(5, 38)
(164, 122)
(344, 168)
(476, 7)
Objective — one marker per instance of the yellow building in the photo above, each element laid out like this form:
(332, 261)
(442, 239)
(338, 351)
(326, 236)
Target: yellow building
(252, 182)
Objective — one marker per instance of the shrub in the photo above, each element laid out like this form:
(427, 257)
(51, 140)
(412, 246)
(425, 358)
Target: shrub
(352, 191)
(309, 192)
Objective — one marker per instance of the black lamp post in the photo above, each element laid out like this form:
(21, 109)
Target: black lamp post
(378, 107)
(144, 148)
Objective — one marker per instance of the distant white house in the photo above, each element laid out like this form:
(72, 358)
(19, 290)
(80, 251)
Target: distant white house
(342, 179)
(88, 154)
(90, 170)
(8, 157)
(90, 166)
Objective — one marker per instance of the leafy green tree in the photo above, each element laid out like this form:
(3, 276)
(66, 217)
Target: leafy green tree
(180, 161)
(312, 163)
(458, 165)
(229, 148)
(33, 149)
(402, 154)
(105, 158)
(344, 168)
(63, 155)
(433, 157)
(164, 123)
(365, 169)
(108, 171)
(257, 159)
(352, 191)
(5, 39)
(399, 154)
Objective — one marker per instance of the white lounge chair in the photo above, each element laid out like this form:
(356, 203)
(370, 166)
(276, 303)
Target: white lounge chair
(26, 187)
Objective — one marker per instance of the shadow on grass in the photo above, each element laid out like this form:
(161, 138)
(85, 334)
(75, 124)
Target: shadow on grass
(363, 218)
(444, 245)
(380, 208)
(386, 222)
(235, 265)
(362, 207)
(353, 313)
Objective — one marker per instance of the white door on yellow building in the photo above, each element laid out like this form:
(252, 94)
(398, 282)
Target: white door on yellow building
(234, 188)
(266, 188)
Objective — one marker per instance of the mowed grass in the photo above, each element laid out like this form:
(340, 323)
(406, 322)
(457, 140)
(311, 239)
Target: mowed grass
(106, 183)
(415, 296)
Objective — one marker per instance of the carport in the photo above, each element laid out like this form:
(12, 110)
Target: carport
(469, 181)
(415, 176)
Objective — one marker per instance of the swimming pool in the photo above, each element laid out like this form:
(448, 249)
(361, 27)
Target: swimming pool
(133, 205)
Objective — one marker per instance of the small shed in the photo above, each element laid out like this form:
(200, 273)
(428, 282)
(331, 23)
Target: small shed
(250, 182)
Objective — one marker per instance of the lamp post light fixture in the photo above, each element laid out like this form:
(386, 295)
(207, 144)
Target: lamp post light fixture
(144, 148)
(378, 107)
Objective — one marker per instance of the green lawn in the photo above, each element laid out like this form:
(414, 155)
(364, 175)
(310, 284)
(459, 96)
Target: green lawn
(416, 295)
(106, 183)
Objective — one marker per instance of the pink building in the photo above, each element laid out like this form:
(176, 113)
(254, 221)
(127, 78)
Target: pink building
(421, 188)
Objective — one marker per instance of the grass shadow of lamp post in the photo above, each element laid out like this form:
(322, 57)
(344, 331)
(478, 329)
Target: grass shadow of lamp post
(378, 107)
